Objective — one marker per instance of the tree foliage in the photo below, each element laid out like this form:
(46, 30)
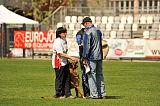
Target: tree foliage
(39, 9)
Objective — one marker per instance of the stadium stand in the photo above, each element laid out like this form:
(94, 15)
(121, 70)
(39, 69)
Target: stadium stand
(115, 21)
(121, 27)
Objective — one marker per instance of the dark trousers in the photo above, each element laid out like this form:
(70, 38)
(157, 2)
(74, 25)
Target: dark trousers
(85, 84)
(62, 81)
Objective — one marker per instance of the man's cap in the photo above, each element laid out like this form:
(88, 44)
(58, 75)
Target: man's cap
(86, 19)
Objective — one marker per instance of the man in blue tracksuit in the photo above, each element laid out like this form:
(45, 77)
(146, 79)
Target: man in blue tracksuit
(79, 37)
(92, 56)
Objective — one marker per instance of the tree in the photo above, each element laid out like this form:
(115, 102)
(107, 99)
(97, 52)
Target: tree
(39, 9)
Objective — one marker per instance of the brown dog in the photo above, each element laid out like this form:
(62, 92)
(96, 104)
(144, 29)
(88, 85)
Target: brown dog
(105, 48)
(75, 79)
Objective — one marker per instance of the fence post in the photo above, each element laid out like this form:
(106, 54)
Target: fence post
(24, 50)
(4, 40)
(1, 42)
(33, 29)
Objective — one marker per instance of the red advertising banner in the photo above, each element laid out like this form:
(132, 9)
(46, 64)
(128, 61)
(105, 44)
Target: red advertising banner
(33, 39)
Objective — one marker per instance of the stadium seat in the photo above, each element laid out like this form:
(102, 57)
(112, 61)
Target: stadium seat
(121, 27)
(108, 27)
(117, 20)
(77, 26)
(102, 26)
(134, 27)
(104, 19)
(74, 19)
(156, 19)
(80, 18)
(106, 34)
(146, 34)
(126, 35)
(155, 27)
(115, 27)
(143, 20)
(112, 34)
(149, 20)
(110, 19)
(93, 19)
(136, 20)
(98, 19)
(130, 20)
(128, 27)
(74, 33)
(119, 35)
(69, 33)
(152, 35)
(123, 20)
(59, 24)
(66, 25)
(67, 19)
(71, 26)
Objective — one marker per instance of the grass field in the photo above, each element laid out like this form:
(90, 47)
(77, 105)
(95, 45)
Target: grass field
(24, 82)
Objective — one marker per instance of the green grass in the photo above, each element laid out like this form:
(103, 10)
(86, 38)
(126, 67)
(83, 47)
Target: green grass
(23, 82)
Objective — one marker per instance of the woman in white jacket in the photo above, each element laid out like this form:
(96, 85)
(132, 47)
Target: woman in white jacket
(60, 64)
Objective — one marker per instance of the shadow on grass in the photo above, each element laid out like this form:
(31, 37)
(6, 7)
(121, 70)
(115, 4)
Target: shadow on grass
(115, 97)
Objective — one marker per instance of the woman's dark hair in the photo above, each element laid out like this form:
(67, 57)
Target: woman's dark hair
(59, 31)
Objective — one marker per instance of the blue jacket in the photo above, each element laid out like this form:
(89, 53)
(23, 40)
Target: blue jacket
(92, 45)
